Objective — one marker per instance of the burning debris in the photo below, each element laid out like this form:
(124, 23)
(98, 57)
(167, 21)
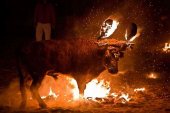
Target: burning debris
(50, 95)
(152, 76)
(97, 91)
(69, 92)
(100, 88)
(166, 48)
(139, 90)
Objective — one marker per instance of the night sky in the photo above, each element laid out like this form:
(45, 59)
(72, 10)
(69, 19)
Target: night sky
(83, 18)
(151, 14)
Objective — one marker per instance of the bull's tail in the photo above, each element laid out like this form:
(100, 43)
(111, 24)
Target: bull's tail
(21, 79)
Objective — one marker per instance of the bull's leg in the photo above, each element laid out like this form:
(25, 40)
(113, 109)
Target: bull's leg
(23, 92)
(34, 89)
(22, 86)
(82, 81)
(81, 86)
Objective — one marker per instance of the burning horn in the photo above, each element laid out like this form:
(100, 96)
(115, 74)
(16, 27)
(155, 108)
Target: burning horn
(131, 30)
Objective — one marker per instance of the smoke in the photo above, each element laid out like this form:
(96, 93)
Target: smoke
(11, 95)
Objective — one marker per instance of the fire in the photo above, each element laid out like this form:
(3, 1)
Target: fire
(100, 90)
(139, 90)
(75, 90)
(125, 98)
(96, 89)
(50, 94)
(113, 28)
(167, 47)
(108, 27)
(153, 76)
(53, 89)
(134, 37)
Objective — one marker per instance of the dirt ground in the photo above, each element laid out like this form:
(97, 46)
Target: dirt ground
(155, 98)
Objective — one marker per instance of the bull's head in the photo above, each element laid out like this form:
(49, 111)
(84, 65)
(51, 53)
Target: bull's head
(114, 50)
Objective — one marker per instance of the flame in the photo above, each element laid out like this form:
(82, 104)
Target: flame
(108, 29)
(53, 89)
(50, 94)
(153, 76)
(126, 34)
(125, 97)
(139, 90)
(75, 90)
(113, 28)
(97, 89)
(167, 47)
(134, 37)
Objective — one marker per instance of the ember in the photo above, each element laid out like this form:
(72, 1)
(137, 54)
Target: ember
(167, 47)
(125, 98)
(152, 76)
(139, 90)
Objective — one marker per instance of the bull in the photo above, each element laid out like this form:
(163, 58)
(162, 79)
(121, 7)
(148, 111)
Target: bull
(77, 57)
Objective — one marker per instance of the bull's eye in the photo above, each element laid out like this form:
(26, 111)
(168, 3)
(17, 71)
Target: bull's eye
(107, 59)
(116, 55)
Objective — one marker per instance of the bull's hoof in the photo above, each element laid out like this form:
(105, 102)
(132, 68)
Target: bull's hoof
(22, 105)
(43, 106)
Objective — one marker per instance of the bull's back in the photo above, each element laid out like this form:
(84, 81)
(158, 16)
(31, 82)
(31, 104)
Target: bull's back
(64, 55)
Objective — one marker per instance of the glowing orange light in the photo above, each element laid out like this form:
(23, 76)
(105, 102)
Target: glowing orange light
(75, 90)
(139, 90)
(152, 76)
(97, 89)
(167, 47)
(125, 97)
(134, 37)
(51, 94)
(113, 28)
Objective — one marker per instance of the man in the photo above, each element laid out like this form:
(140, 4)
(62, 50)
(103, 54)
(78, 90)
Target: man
(44, 19)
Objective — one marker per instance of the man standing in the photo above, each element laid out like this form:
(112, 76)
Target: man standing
(44, 19)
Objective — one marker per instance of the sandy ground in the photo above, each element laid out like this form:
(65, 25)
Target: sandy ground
(155, 99)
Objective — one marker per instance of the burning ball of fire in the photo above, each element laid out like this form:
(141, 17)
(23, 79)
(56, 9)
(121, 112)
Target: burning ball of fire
(97, 88)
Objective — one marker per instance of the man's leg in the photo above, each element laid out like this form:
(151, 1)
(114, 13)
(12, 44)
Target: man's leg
(47, 31)
(39, 32)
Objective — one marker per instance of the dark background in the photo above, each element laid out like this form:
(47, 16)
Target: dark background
(83, 18)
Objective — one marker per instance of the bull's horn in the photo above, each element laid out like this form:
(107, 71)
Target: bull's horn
(131, 30)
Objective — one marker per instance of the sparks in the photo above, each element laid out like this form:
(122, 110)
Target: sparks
(139, 90)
